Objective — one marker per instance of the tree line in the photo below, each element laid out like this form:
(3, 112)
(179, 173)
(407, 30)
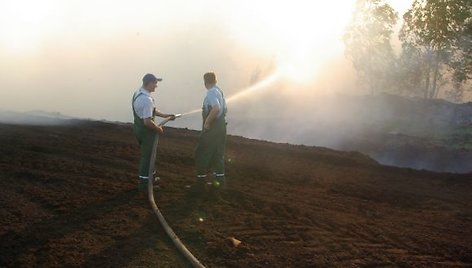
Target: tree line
(436, 48)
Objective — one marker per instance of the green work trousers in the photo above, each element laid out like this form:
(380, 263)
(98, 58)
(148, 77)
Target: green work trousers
(210, 150)
(145, 139)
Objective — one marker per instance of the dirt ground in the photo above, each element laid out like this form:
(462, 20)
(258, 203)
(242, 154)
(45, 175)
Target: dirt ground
(68, 198)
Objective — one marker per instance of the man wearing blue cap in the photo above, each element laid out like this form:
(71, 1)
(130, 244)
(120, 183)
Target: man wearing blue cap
(145, 129)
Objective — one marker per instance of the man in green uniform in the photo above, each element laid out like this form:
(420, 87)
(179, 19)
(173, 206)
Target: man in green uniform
(145, 129)
(209, 154)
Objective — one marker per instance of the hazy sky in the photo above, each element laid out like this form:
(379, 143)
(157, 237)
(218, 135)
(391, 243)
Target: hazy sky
(85, 58)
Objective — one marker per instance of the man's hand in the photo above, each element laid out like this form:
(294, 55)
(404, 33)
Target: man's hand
(151, 125)
(163, 115)
(211, 117)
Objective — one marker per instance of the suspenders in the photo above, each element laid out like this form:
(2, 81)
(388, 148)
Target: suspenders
(132, 105)
(132, 102)
(225, 109)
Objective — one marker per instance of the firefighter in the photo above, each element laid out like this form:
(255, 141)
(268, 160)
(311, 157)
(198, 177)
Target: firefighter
(145, 128)
(209, 154)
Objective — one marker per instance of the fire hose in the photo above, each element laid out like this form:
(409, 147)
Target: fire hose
(175, 239)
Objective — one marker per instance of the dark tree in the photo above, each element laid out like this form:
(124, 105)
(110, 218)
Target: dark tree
(439, 32)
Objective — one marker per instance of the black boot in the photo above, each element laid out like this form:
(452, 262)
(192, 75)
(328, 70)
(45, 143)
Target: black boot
(217, 187)
(198, 189)
(219, 183)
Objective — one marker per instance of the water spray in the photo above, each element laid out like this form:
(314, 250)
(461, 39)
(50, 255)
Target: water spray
(192, 112)
(246, 91)
(257, 86)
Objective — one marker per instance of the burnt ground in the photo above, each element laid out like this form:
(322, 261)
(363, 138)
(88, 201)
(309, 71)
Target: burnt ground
(69, 199)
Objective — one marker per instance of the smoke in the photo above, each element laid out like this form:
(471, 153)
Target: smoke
(96, 78)
(406, 132)
(34, 118)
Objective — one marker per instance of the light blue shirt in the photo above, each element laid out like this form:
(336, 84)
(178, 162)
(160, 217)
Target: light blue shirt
(214, 98)
(143, 104)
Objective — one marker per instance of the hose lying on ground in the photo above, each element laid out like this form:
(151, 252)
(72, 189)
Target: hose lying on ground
(180, 246)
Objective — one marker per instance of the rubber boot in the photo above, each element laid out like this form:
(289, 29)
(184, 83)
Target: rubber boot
(217, 187)
(198, 188)
(219, 183)
(143, 184)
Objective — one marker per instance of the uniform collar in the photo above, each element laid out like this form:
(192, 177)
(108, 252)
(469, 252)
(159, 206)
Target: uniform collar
(145, 91)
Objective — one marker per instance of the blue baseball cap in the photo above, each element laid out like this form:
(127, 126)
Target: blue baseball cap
(150, 78)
